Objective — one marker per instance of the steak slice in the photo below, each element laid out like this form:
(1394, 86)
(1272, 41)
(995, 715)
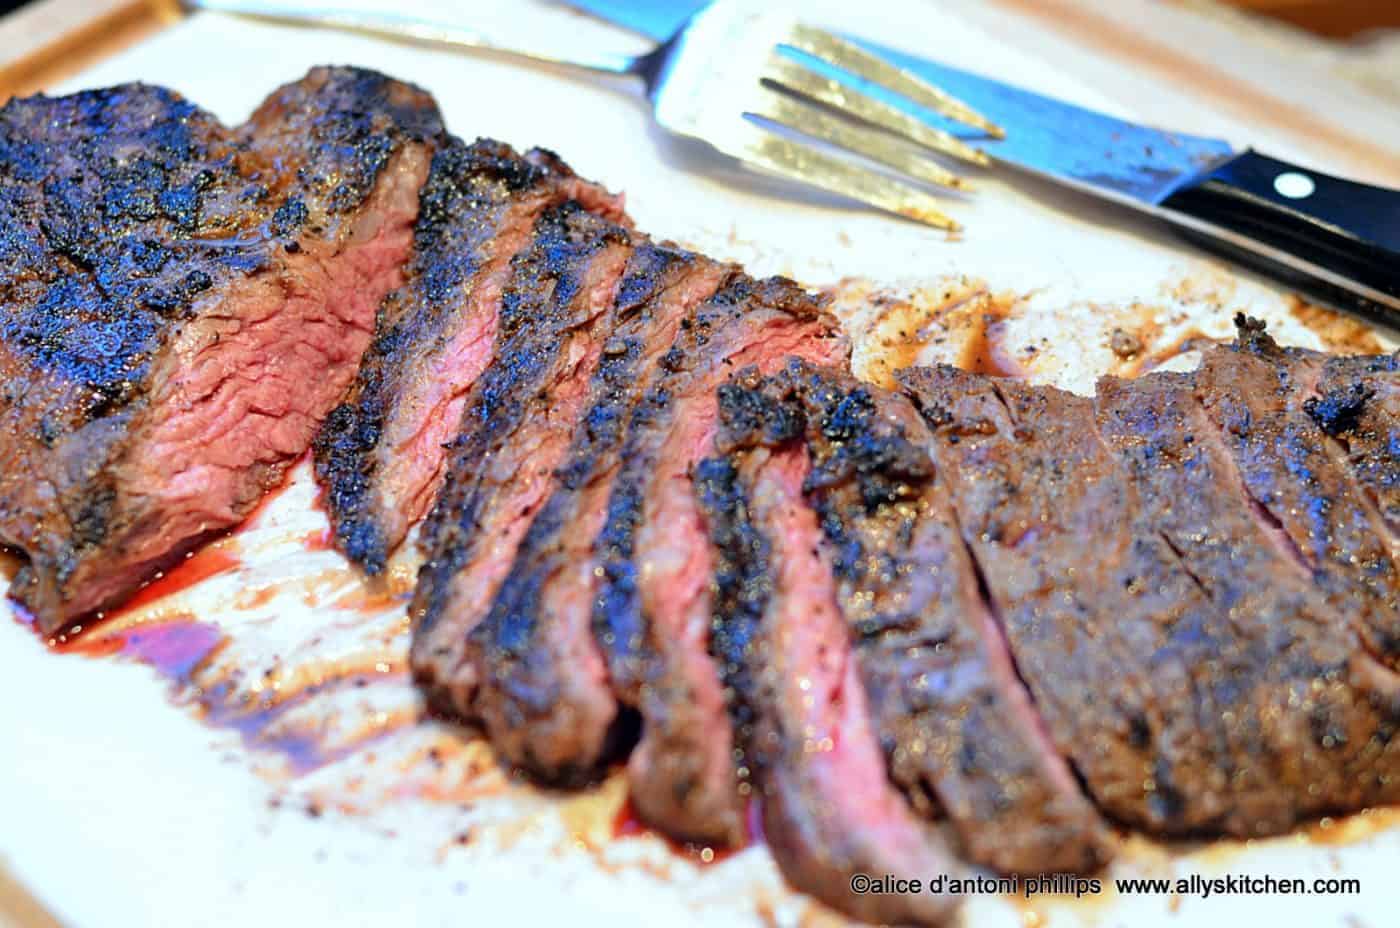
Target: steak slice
(381, 453)
(183, 305)
(801, 721)
(518, 419)
(1358, 404)
(1257, 395)
(652, 612)
(957, 726)
(544, 694)
(1118, 645)
(1318, 715)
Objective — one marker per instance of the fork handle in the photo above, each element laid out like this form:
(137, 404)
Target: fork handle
(1336, 238)
(423, 31)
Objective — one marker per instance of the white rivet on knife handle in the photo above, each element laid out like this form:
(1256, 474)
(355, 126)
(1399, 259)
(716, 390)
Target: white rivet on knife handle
(1294, 185)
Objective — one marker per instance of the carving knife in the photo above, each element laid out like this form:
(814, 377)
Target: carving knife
(1336, 239)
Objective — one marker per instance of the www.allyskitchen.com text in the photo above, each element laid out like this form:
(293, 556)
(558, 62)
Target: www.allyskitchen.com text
(1068, 884)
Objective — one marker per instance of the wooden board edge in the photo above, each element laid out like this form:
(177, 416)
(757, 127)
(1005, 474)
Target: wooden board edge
(18, 907)
(67, 42)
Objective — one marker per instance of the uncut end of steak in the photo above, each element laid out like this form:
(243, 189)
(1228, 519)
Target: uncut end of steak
(1189, 669)
(1313, 716)
(652, 608)
(1109, 645)
(518, 421)
(184, 303)
(381, 453)
(799, 709)
(1258, 395)
(545, 694)
(960, 734)
(1358, 406)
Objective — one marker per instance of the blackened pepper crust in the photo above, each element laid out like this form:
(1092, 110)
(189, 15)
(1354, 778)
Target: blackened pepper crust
(130, 218)
(476, 211)
(960, 735)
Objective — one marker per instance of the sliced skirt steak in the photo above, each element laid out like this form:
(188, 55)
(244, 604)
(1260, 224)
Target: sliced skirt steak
(382, 452)
(1358, 405)
(1312, 717)
(1257, 395)
(1107, 628)
(958, 729)
(533, 653)
(806, 744)
(652, 611)
(518, 420)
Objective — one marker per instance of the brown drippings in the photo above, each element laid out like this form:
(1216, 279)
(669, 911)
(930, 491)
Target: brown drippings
(454, 770)
(1339, 831)
(249, 599)
(891, 330)
(983, 353)
(368, 600)
(1126, 345)
(320, 540)
(1339, 333)
(1192, 339)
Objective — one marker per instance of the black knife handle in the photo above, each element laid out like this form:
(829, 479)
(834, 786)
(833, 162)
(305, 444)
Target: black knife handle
(1333, 238)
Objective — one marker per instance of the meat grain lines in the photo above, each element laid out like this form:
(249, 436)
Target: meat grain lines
(183, 304)
(963, 621)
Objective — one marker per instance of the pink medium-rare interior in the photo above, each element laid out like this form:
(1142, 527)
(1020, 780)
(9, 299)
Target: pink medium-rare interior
(831, 748)
(527, 472)
(569, 590)
(252, 381)
(672, 540)
(429, 410)
(428, 413)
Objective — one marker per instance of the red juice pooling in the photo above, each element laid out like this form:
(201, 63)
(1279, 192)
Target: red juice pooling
(200, 566)
(626, 824)
(174, 648)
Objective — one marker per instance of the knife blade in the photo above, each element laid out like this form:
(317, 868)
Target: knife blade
(1336, 239)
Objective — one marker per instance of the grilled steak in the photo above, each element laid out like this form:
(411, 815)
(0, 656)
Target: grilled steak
(519, 417)
(652, 612)
(543, 713)
(1112, 641)
(1358, 405)
(957, 726)
(183, 305)
(1257, 396)
(381, 453)
(802, 724)
(1315, 715)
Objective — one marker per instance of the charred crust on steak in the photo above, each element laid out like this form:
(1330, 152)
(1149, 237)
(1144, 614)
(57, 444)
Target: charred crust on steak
(131, 217)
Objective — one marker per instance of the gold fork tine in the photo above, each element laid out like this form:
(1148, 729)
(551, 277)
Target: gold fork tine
(874, 145)
(853, 58)
(800, 162)
(794, 76)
